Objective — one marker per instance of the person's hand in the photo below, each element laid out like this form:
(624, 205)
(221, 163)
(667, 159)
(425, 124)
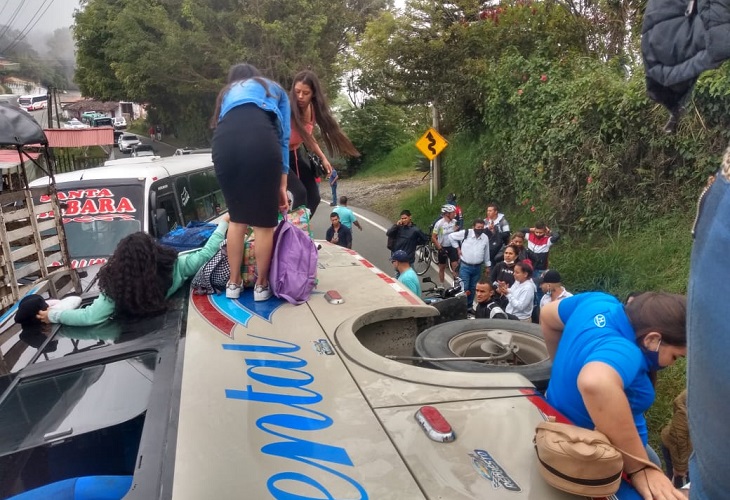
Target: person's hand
(327, 166)
(283, 200)
(653, 484)
(42, 316)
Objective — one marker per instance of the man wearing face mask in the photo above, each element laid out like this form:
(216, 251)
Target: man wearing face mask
(473, 248)
(604, 355)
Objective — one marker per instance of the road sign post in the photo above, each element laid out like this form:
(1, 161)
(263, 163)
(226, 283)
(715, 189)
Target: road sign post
(431, 144)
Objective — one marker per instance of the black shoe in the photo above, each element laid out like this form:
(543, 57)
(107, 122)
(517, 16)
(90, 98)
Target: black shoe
(333, 204)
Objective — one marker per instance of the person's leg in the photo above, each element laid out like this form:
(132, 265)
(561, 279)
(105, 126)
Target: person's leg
(296, 188)
(442, 272)
(708, 334)
(264, 238)
(235, 243)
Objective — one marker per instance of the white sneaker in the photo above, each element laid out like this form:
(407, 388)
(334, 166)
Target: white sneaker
(261, 293)
(233, 291)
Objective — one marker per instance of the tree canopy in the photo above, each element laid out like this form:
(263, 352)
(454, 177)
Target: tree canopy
(174, 55)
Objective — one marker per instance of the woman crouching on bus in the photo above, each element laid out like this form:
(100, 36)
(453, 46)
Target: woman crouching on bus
(604, 356)
(138, 279)
(251, 159)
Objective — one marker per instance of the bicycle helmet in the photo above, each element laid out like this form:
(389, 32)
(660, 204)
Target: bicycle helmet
(447, 208)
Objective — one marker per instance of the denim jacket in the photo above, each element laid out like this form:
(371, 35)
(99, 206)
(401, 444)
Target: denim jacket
(250, 91)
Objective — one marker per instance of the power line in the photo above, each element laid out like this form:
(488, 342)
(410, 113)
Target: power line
(4, 5)
(12, 19)
(27, 30)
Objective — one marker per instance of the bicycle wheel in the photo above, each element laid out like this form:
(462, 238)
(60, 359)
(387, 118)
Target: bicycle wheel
(434, 253)
(423, 260)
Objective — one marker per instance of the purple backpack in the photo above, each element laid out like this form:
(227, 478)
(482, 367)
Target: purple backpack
(294, 264)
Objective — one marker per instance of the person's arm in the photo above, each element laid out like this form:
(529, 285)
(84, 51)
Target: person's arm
(95, 313)
(357, 224)
(602, 390)
(189, 263)
(551, 326)
(434, 237)
(456, 238)
(333, 178)
(393, 231)
(285, 133)
(347, 236)
(329, 234)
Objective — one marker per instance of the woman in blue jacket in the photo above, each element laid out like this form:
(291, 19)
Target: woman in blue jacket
(251, 157)
(604, 355)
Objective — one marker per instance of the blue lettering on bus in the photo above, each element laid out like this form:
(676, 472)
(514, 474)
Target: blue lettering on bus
(292, 376)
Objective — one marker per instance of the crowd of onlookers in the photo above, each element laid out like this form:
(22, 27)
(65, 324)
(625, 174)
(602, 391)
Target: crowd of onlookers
(509, 270)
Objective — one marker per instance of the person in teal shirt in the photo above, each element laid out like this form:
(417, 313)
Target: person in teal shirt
(406, 274)
(347, 216)
(139, 278)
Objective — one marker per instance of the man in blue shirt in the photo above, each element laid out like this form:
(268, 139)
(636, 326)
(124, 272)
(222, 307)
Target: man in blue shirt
(333, 186)
(406, 274)
(347, 216)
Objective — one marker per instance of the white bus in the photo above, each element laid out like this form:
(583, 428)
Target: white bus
(33, 102)
(103, 205)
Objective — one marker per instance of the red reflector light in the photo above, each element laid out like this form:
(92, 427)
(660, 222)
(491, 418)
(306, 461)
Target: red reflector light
(434, 424)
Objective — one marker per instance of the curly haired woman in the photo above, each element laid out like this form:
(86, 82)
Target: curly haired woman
(309, 107)
(138, 279)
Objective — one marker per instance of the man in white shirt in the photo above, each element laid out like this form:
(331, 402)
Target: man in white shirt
(440, 238)
(473, 248)
(552, 286)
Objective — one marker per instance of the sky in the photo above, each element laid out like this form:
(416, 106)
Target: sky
(49, 14)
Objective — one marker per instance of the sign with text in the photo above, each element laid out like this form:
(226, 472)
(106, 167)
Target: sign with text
(431, 144)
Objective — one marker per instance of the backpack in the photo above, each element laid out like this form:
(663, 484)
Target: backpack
(293, 272)
(214, 275)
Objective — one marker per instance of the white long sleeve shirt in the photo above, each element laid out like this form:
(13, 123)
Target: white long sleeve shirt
(474, 251)
(521, 298)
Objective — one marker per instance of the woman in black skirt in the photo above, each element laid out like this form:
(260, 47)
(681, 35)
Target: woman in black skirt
(250, 154)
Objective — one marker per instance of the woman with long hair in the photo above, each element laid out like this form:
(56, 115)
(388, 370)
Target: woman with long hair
(251, 158)
(604, 355)
(138, 279)
(309, 107)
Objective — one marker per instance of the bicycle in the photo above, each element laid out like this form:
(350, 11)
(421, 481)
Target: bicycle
(422, 261)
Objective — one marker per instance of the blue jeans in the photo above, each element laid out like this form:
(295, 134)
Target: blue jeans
(334, 193)
(470, 276)
(708, 333)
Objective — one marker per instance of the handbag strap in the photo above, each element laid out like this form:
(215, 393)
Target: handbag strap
(560, 429)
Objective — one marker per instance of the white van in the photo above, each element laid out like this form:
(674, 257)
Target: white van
(103, 205)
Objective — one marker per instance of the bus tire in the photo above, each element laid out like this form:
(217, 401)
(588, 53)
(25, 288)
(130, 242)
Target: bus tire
(463, 337)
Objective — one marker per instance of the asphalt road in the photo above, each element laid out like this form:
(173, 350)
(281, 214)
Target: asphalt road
(370, 242)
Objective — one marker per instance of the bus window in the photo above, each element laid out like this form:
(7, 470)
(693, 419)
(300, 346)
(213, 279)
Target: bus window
(184, 196)
(209, 202)
(167, 203)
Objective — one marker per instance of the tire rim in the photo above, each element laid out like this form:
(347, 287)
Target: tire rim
(469, 344)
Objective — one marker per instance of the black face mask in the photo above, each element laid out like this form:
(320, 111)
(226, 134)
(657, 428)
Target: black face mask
(478, 232)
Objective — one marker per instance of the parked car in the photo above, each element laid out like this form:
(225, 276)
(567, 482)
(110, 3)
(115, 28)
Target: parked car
(191, 151)
(75, 123)
(143, 150)
(117, 136)
(127, 142)
(120, 122)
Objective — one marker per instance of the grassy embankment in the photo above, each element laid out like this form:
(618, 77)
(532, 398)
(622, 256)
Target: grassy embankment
(655, 257)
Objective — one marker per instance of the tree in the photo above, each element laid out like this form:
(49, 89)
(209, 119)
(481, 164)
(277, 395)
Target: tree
(175, 54)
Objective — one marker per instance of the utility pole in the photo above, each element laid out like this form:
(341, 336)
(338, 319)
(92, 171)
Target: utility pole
(49, 107)
(58, 112)
(436, 174)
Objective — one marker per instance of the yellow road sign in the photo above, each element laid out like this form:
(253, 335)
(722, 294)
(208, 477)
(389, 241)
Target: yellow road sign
(431, 144)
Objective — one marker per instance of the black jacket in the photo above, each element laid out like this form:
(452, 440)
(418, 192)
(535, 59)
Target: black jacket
(407, 238)
(679, 40)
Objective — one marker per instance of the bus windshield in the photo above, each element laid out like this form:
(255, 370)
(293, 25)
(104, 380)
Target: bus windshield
(96, 218)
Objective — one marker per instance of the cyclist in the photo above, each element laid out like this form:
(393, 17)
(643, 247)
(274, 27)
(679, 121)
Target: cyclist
(441, 240)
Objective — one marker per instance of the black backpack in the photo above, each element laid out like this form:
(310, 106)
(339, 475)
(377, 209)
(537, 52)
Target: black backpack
(391, 243)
